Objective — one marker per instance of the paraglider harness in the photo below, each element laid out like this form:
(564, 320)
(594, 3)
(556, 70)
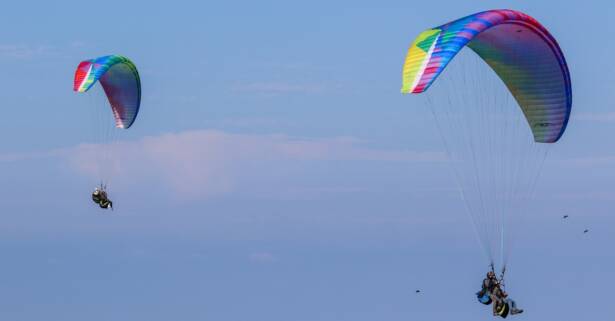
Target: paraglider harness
(502, 307)
(99, 196)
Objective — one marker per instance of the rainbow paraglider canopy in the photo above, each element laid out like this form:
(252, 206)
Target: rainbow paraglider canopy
(120, 80)
(518, 48)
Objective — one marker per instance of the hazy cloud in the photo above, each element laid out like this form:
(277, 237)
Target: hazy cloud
(206, 163)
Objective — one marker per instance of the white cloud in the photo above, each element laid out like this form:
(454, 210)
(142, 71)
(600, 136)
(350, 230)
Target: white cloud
(209, 163)
(205, 163)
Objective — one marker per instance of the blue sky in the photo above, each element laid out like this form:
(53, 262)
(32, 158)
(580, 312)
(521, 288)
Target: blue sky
(276, 173)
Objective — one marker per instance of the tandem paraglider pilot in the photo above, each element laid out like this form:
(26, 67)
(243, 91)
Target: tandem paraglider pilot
(99, 196)
(493, 293)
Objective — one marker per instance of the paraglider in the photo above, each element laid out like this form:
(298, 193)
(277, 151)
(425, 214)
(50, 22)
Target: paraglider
(99, 196)
(497, 108)
(492, 292)
(121, 84)
(565, 217)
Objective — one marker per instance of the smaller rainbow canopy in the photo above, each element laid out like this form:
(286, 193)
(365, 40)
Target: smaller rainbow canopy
(120, 80)
(520, 51)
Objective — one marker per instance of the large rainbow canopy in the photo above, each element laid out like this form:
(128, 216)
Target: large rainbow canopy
(521, 52)
(120, 80)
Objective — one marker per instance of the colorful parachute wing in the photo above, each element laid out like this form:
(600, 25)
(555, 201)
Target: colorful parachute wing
(521, 52)
(120, 80)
